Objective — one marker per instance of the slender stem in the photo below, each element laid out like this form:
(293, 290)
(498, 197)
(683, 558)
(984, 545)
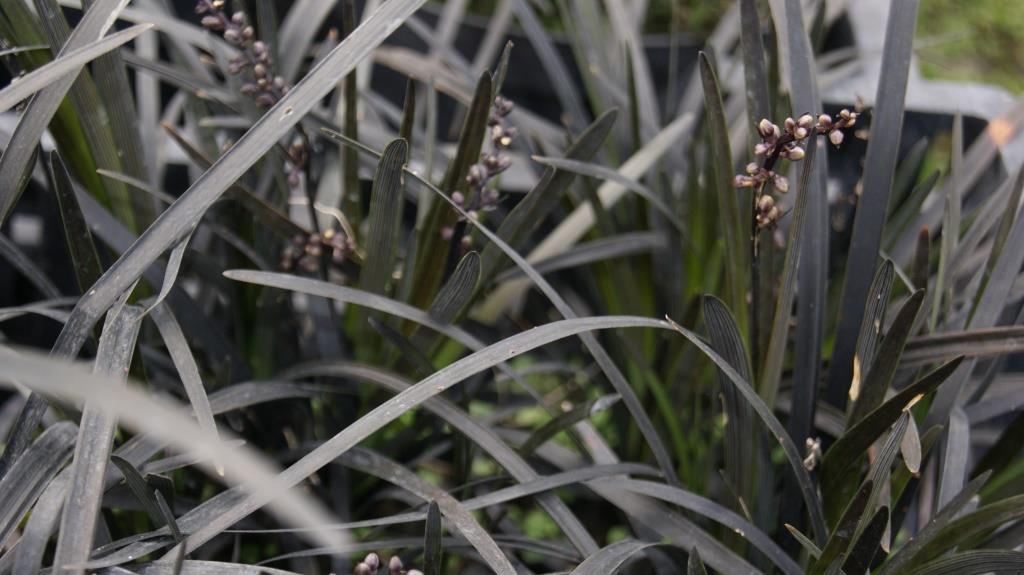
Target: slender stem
(755, 283)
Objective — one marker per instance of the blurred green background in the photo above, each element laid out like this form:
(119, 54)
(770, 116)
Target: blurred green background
(974, 41)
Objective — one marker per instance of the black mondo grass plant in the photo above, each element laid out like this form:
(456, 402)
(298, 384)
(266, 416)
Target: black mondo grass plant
(301, 320)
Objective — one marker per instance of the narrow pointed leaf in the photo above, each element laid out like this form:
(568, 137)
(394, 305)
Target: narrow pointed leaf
(879, 170)
(385, 219)
(694, 565)
(954, 458)
(863, 551)
(432, 541)
(608, 560)
(68, 63)
(93, 448)
(455, 293)
(847, 449)
(32, 471)
(84, 257)
(878, 379)
(730, 216)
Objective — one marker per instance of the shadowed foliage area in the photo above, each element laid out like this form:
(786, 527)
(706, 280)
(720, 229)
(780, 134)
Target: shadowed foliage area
(330, 286)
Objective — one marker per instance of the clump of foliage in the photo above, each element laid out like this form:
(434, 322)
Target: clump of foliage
(584, 347)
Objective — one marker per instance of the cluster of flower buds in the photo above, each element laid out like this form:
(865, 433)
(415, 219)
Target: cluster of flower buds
(305, 252)
(492, 162)
(834, 126)
(767, 213)
(265, 88)
(786, 142)
(372, 565)
(757, 175)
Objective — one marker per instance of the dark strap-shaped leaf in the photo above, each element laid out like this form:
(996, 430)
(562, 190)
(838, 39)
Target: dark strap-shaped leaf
(876, 381)
(871, 325)
(608, 560)
(385, 218)
(432, 251)
(863, 551)
(741, 440)
(974, 562)
(731, 218)
(32, 471)
(845, 529)
(84, 258)
(694, 565)
(879, 169)
(846, 450)
(432, 541)
(455, 293)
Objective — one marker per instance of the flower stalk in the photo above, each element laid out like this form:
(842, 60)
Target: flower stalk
(786, 142)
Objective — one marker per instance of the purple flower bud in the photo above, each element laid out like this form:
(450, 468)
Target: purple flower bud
(259, 47)
(477, 175)
(781, 183)
(753, 168)
(845, 114)
(395, 565)
(789, 124)
(741, 181)
(362, 569)
(265, 101)
(824, 121)
(498, 164)
(836, 137)
(806, 121)
(232, 36)
(249, 88)
(259, 71)
(248, 32)
(373, 561)
(212, 23)
(458, 198)
(503, 106)
(761, 149)
(765, 203)
(505, 141)
(238, 18)
(765, 128)
(800, 133)
(796, 153)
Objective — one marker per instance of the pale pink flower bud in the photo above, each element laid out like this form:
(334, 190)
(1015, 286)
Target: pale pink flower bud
(781, 183)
